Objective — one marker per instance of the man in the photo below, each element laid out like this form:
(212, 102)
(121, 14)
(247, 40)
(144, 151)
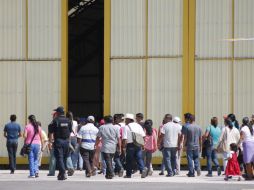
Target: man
(171, 136)
(12, 131)
(59, 131)
(110, 135)
(133, 152)
(86, 138)
(139, 119)
(118, 164)
(214, 132)
(193, 143)
(177, 122)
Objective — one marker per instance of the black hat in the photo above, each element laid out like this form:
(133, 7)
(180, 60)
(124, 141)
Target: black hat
(60, 109)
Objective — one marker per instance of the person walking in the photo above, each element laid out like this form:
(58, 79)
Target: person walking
(212, 136)
(177, 122)
(12, 131)
(171, 136)
(59, 131)
(86, 139)
(133, 151)
(247, 138)
(110, 138)
(193, 142)
(150, 145)
(33, 136)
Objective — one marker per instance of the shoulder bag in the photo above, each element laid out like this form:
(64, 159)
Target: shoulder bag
(137, 138)
(26, 149)
(222, 144)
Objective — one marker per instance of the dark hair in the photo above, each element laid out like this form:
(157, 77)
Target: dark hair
(13, 118)
(233, 147)
(69, 115)
(148, 127)
(33, 121)
(187, 116)
(108, 119)
(246, 122)
(228, 123)
(140, 115)
(233, 119)
(169, 116)
(213, 121)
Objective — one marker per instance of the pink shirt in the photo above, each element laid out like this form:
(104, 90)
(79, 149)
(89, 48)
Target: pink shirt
(29, 129)
(151, 142)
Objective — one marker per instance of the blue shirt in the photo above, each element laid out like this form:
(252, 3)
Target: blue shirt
(215, 133)
(12, 129)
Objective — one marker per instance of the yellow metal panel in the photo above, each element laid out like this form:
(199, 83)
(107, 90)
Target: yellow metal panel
(64, 54)
(107, 46)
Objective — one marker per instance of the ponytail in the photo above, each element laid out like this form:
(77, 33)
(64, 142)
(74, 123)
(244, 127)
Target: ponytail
(34, 123)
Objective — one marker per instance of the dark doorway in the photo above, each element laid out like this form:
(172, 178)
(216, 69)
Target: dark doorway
(86, 26)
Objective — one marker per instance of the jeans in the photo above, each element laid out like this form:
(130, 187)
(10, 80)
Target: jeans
(61, 151)
(211, 157)
(108, 157)
(33, 159)
(169, 156)
(87, 156)
(147, 156)
(52, 162)
(75, 154)
(133, 153)
(118, 163)
(193, 155)
(12, 150)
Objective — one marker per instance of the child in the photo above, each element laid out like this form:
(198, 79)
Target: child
(150, 144)
(233, 168)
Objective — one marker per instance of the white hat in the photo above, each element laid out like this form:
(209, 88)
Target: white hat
(91, 118)
(177, 120)
(129, 116)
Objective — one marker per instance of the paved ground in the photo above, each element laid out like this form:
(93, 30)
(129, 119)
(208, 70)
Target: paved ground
(20, 181)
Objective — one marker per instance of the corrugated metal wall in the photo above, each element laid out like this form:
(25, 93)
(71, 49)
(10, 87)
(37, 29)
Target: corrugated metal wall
(29, 86)
(12, 29)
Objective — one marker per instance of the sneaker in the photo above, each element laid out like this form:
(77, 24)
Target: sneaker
(198, 172)
(62, 177)
(219, 171)
(12, 172)
(226, 178)
(126, 176)
(70, 172)
(169, 175)
(209, 175)
(31, 176)
(190, 175)
(109, 177)
(150, 172)
(239, 178)
(94, 172)
(37, 175)
(144, 173)
(88, 174)
(161, 173)
(120, 174)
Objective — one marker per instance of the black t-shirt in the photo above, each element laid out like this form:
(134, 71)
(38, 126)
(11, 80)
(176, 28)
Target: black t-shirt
(61, 127)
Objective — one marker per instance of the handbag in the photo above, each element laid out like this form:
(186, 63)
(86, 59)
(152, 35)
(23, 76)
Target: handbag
(26, 149)
(208, 142)
(222, 144)
(137, 138)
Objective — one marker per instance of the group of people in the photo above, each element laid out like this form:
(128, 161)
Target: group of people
(126, 143)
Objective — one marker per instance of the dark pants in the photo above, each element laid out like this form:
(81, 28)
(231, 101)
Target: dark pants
(133, 153)
(61, 151)
(87, 156)
(12, 150)
(193, 155)
(211, 157)
(118, 163)
(108, 157)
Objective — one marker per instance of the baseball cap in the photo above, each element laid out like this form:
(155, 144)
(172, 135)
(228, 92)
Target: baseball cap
(60, 109)
(177, 120)
(91, 118)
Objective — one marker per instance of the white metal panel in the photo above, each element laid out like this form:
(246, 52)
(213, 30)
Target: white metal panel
(127, 86)
(127, 28)
(164, 89)
(12, 95)
(213, 26)
(165, 27)
(213, 90)
(43, 89)
(243, 88)
(244, 28)
(12, 29)
(44, 29)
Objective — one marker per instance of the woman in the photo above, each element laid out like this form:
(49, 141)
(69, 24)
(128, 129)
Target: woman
(229, 135)
(32, 134)
(248, 146)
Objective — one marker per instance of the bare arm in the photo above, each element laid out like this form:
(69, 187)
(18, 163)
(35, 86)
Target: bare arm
(160, 140)
(5, 134)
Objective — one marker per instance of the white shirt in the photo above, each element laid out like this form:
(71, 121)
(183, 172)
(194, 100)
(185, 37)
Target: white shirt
(74, 128)
(88, 135)
(246, 134)
(233, 136)
(136, 128)
(171, 131)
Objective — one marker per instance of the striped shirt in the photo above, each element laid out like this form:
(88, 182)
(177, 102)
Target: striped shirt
(88, 134)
